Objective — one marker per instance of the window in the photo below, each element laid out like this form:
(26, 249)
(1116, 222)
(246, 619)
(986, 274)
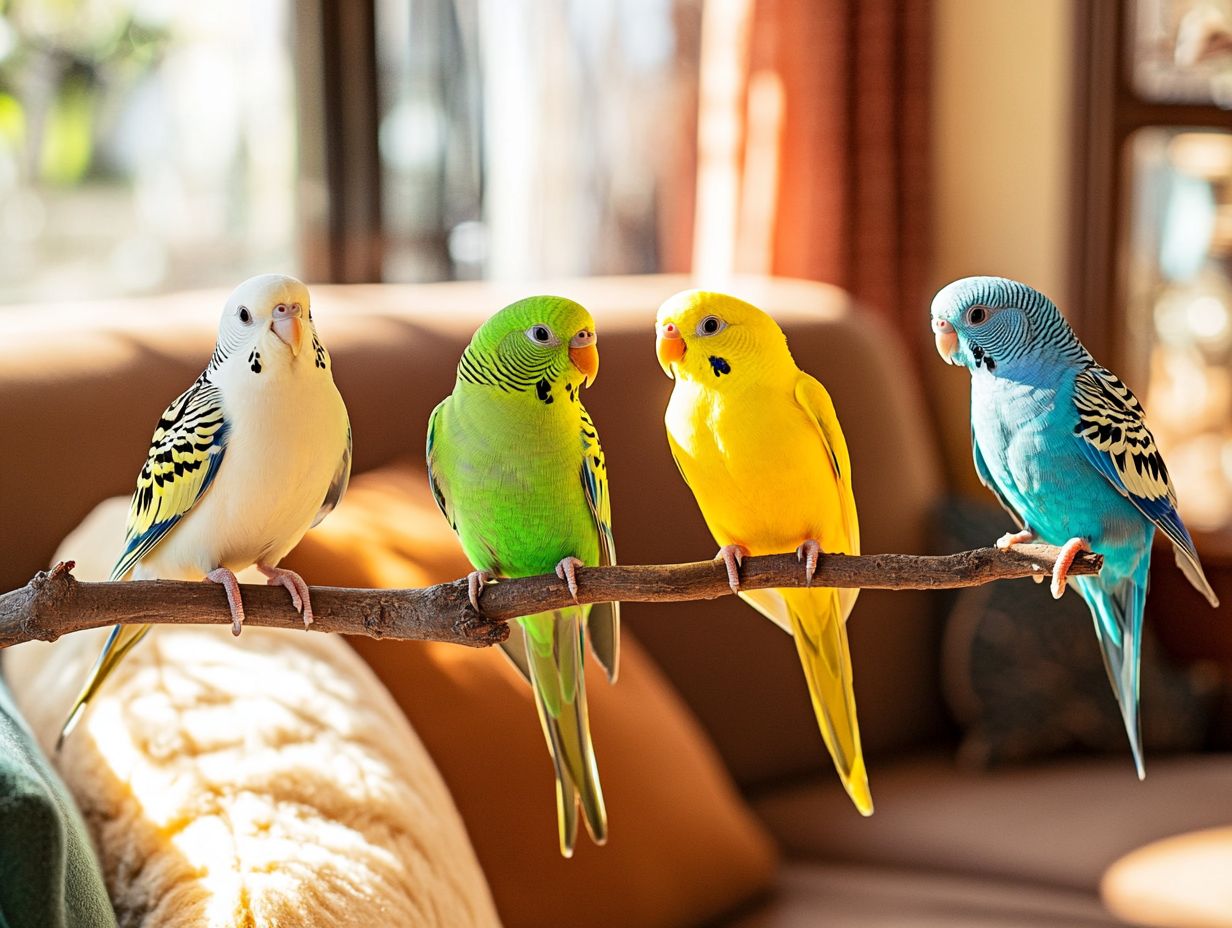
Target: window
(1154, 258)
(144, 145)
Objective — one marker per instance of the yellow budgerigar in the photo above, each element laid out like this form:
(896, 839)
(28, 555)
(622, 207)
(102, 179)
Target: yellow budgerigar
(759, 444)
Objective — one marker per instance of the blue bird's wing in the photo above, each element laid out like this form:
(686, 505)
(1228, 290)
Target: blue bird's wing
(1112, 432)
(185, 453)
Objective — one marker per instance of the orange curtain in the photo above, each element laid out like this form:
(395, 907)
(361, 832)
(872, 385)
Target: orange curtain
(829, 142)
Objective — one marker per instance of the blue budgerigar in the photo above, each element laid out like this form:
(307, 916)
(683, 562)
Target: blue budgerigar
(1063, 445)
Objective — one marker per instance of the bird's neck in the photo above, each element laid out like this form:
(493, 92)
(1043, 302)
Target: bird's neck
(546, 406)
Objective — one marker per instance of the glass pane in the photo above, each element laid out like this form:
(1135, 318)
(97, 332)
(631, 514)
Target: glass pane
(1181, 50)
(529, 139)
(144, 145)
(1180, 290)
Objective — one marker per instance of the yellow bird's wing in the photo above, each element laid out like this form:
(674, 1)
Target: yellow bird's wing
(817, 618)
(815, 400)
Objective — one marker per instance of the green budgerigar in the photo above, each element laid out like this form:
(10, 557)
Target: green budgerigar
(516, 467)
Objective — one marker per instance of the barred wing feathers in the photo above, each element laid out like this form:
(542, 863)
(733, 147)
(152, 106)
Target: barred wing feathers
(187, 448)
(1114, 438)
(603, 623)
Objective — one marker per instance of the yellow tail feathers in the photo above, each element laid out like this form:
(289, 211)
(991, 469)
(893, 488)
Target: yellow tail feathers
(555, 663)
(821, 641)
(122, 640)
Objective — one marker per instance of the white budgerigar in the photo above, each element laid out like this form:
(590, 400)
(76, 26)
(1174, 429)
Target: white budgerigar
(241, 464)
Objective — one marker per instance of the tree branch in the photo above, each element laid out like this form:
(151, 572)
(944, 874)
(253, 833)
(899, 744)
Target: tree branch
(55, 603)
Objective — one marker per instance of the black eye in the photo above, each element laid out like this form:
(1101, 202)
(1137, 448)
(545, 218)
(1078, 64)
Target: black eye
(711, 325)
(245, 315)
(977, 315)
(540, 334)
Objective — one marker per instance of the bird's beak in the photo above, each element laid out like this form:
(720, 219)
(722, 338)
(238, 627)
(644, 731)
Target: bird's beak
(669, 346)
(288, 325)
(946, 338)
(584, 354)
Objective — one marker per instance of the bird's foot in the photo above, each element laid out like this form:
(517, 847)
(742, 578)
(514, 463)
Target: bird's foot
(808, 553)
(232, 586)
(476, 580)
(1009, 539)
(280, 576)
(567, 571)
(732, 557)
(1060, 570)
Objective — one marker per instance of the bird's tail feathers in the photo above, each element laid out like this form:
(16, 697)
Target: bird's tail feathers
(1118, 612)
(1191, 567)
(123, 638)
(821, 641)
(554, 658)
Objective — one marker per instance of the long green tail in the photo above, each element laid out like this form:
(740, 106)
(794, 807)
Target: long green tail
(122, 640)
(555, 662)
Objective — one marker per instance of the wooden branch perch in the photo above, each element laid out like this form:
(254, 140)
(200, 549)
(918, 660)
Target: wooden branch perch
(55, 603)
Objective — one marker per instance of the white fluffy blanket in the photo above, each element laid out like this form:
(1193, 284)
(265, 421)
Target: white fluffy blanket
(262, 781)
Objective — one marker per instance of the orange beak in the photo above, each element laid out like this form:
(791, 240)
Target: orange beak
(946, 338)
(670, 347)
(288, 325)
(586, 359)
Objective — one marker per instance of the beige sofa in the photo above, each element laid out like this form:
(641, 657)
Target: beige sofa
(81, 385)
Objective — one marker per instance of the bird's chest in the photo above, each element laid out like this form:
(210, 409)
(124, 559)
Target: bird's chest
(1025, 436)
(518, 500)
(756, 465)
(284, 449)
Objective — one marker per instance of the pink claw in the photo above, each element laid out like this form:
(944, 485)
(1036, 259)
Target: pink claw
(232, 586)
(1069, 551)
(732, 557)
(809, 552)
(279, 576)
(1009, 539)
(475, 582)
(567, 571)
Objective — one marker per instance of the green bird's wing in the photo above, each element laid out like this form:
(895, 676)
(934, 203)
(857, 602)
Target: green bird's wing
(603, 624)
(438, 493)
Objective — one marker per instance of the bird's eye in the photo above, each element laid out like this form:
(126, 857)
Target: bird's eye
(541, 335)
(711, 325)
(977, 315)
(245, 315)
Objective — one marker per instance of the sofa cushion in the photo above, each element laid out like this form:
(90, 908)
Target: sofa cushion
(262, 780)
(49, 876)
(1061, 823)
(683, 847)
(882, 897)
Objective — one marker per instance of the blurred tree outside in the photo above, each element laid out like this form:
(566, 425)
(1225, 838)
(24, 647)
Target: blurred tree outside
(144, 144)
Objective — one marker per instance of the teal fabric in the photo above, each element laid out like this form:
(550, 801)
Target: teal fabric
(49, 877)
